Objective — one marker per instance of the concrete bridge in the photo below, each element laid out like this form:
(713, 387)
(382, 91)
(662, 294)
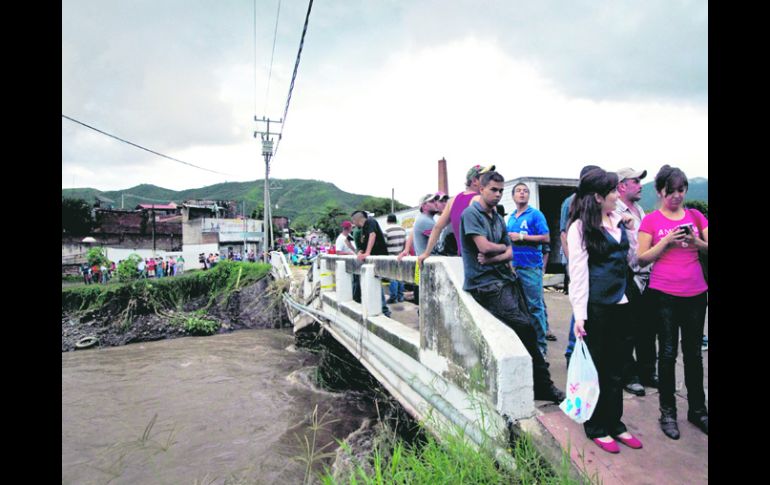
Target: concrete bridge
(458, 367)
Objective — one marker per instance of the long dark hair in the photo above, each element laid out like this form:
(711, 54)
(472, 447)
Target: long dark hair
(585, 207)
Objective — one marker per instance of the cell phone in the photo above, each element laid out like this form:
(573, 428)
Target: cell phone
(687, 228)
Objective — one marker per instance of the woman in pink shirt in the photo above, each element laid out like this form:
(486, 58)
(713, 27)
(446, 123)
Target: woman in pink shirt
(671, 237)
(600, 250)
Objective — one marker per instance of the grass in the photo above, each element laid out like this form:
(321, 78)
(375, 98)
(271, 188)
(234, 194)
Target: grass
(449, 459)
(164, 293)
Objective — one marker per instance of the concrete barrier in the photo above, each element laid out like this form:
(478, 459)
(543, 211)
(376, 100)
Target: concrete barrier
(462, 365)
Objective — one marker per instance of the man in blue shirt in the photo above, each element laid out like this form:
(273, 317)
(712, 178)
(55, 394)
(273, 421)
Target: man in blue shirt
(486, 253)
(528, 230)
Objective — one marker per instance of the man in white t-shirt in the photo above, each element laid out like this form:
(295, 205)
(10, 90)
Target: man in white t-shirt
(345, 244)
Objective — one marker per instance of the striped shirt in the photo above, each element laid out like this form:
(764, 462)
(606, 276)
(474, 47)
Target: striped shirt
(396, 237)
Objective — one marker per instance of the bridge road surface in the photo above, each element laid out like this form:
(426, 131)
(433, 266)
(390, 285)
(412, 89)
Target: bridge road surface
(661, 461)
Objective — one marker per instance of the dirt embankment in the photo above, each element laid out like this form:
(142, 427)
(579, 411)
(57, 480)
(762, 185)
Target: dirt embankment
(256, 305)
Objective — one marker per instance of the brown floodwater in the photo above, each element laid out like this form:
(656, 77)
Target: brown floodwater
(231, 408)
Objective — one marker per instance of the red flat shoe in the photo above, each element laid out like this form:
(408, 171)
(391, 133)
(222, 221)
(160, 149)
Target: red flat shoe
(611, 447)
(631, 442)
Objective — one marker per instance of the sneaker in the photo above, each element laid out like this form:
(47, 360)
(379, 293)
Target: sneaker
(634, 388)
(552, 394)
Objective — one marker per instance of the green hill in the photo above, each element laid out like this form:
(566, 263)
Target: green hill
(302, 201)
(698, 190)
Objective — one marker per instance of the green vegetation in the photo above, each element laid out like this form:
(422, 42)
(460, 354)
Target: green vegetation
(97, 256)
(75, 216)
(304, 202)
(699, 205)
(128, 269)
(157, 295)
(201, 326)
(449, 459)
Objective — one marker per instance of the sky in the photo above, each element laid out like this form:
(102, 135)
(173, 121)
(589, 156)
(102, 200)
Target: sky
(385, 89)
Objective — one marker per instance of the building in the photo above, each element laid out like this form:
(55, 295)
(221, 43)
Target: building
(211, 227)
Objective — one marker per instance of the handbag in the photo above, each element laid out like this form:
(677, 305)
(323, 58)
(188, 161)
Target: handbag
(582, 385)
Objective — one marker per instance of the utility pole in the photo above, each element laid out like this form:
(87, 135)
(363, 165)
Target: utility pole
(392, 198)
(153, 230)
(267, 153)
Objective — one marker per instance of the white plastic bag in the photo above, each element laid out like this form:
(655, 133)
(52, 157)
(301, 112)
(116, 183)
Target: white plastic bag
(582, 385)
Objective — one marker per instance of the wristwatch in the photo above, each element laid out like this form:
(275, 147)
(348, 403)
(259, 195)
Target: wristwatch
(521, 236)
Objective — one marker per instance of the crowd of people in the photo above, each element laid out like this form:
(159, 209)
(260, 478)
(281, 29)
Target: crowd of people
(159, 267)
(633, 277)
(97, 273)
(210, 261)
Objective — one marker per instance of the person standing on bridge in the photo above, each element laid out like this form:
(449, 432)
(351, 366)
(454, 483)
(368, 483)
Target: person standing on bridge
(372, 244)
(396, 236)
(638, 371)
(528, 231)
(600, 251)
(453, 211)
(672, 237)
(489, 278)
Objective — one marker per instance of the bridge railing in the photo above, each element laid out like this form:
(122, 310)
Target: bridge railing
(459, 341)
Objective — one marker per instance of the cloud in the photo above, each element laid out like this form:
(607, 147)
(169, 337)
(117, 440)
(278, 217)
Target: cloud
(384, 90)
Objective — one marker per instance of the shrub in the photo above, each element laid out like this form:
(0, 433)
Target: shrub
(128, 269)
(200, 326)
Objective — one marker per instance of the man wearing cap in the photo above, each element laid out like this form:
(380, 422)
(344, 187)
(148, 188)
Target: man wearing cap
(396, 237)
(372, 244)
(640, 372)
(528, 231)
(344, 244)
(564, 251)
(454, 208)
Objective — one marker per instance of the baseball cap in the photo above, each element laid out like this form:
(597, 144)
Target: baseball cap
(477, 170)
(427, 198)
(347, 224)
(630, 173)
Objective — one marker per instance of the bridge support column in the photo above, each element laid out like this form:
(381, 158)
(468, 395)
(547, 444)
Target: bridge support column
(327, 281)
(371, 289)
(344, 283)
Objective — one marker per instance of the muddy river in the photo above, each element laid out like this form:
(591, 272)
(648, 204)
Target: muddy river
(231, 408)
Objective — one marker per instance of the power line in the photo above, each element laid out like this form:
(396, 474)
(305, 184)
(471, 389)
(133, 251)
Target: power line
(270, 71)
(294, 76)
(143, 148)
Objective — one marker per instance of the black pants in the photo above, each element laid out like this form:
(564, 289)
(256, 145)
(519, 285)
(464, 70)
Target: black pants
(356, 288)
(641, 336)
(689, 315)
(505, 300)
(607, 331)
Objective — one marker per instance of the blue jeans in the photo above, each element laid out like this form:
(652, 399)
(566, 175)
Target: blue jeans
(571, 343)
(532, 284)
(397, 290)
(385, 309)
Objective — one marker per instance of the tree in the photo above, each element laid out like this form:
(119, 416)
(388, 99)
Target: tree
(330, 223)
(128, 269)
(380, 206)
(97, 256)
(700, 205)
(76, 217)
